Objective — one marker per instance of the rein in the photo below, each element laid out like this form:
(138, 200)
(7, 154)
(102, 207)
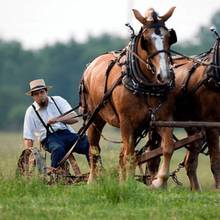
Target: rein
(194, 60)
(137, 56)
(211, 79)
(157, 52)
(59, 118)
(82, 131)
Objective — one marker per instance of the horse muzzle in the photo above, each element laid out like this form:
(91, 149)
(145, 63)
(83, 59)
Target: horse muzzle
(163, 78)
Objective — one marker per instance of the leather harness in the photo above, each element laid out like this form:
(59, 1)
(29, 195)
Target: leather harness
(133, 79)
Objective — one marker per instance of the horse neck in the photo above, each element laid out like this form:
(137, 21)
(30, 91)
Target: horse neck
(183, 77)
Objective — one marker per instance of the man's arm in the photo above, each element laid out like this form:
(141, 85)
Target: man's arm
(67, 119)
(28, 143)
(29, 127)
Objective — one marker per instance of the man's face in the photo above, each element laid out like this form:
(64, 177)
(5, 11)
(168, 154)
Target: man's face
(40, 96)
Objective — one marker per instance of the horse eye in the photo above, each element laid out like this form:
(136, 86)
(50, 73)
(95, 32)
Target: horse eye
(146, 41)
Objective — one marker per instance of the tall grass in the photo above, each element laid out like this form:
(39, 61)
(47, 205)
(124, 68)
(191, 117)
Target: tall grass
(32, 198)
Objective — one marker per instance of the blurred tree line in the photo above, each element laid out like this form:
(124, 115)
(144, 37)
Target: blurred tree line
(62, 66)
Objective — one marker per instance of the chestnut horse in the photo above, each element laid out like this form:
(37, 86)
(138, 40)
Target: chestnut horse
(129, 88)
(197, 92)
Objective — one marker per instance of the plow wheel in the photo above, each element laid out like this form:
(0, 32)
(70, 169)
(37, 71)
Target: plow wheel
(31, 158)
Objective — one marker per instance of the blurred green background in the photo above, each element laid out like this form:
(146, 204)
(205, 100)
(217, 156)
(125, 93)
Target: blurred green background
(62, 66)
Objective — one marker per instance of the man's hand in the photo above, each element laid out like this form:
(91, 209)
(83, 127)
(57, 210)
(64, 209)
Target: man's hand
(66, 119)
(51, 121)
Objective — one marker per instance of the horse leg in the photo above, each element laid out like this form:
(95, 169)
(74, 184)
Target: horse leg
(214, 152)
(160, 181)
(153, 164)
(94, 150)
(122, 169)
(128, 162)
(191, 162)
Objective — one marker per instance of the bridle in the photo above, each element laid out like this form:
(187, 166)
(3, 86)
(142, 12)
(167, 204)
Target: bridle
(172, 40)
(132, 65)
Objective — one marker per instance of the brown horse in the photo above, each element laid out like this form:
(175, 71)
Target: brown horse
(198, 100)
(197, 92)
(128, 88)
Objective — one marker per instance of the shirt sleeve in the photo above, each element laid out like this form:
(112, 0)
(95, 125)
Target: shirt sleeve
(29, 125)
(63, 105)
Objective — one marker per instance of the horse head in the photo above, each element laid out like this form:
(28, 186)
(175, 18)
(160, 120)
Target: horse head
(154, 44)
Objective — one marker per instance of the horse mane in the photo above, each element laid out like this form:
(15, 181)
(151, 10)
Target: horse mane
(151, 15)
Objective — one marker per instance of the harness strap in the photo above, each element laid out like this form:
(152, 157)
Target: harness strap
(157, 24)
(112, 63)
(142, 96)
(202, 81)
(184, 87)
(66, 113)
(216, 57)
(101, 104)
(98, 108)
(138, 57)
(195, 60)
(84, 106)
(157, 52)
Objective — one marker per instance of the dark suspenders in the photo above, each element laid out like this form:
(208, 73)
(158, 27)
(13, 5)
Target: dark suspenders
(46, 126)
(56, 105)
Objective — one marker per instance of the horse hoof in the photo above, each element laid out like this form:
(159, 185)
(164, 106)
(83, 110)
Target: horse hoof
(152, 186)
(157, 183)
(89, 181)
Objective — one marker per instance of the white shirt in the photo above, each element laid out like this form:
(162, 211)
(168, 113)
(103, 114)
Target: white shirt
(33, 125)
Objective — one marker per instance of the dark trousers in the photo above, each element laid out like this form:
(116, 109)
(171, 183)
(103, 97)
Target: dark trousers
(60, 142)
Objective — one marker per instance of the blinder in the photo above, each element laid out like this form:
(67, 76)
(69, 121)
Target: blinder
(143, 43)
(172, 39)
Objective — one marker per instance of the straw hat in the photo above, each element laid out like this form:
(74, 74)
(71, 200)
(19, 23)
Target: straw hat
(37, 85)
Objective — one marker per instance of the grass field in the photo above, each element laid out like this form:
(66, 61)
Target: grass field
(33, 199)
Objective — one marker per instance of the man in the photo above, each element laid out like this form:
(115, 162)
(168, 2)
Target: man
(39, 120)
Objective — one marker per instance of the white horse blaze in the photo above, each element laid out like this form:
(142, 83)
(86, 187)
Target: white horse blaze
(159, 46)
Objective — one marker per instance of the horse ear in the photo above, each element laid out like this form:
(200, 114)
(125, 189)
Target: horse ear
(139, 17)
(168, 14)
